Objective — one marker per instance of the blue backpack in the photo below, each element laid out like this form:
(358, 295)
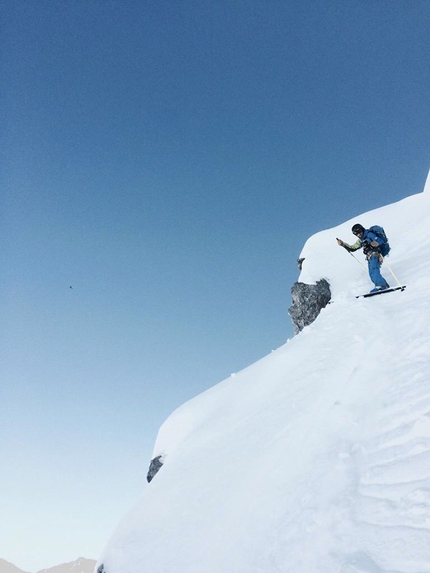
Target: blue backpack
(379, 232)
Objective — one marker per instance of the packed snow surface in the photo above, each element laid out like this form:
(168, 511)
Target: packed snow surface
(315, 459)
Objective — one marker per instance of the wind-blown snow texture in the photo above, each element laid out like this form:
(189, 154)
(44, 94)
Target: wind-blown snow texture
(316, 459)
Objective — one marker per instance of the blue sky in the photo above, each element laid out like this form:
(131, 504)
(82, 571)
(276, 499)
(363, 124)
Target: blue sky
(168, 160)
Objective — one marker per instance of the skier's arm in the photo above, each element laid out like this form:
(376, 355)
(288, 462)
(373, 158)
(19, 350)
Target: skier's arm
(354, 247)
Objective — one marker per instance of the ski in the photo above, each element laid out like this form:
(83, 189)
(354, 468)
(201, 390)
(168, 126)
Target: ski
(368, 294)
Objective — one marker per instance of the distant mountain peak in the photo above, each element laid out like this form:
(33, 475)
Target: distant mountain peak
(6, 567)
(80, 565)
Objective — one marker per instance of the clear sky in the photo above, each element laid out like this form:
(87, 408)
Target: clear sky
(162, 165)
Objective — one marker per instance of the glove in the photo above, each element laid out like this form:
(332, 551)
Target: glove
(342, 244)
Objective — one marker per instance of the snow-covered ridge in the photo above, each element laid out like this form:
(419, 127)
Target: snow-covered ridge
(316, 458)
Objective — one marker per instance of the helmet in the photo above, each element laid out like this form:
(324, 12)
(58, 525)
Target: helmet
(357, 228)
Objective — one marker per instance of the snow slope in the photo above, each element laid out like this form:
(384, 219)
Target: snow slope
(316, 459)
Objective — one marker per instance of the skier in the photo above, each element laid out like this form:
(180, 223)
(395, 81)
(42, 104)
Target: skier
(371, 244)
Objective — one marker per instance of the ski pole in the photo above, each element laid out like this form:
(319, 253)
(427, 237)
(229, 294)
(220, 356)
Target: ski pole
(359, 262)
(395, 278)
(353, 256)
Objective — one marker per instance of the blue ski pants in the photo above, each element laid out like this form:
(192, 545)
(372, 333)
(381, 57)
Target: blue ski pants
(374, 266)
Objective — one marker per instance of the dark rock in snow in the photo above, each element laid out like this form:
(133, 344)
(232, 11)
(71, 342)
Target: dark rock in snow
(101, 569)
(308, 300)
(154, 467)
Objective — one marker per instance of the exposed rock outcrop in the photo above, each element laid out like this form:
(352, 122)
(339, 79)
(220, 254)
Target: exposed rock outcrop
(154, 467)
(308, 300)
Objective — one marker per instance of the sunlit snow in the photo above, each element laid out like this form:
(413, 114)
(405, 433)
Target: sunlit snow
(315, 459)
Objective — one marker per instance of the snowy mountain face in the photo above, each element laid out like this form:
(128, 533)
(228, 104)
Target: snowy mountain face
(316, 459)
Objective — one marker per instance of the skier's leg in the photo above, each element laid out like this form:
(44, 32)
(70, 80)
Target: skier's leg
(375, 272)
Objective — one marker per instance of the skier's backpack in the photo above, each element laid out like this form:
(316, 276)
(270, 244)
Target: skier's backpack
(379, 232)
